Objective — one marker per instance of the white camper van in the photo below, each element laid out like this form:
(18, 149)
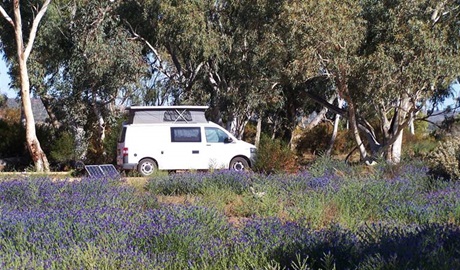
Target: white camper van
(178, 138)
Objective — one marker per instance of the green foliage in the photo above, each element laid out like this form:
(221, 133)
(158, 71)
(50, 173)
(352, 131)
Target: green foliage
(63, 149)
(3, 98)
(12, 139)
(240, 57)
(445, 159)
(274, 156)
(111, 140)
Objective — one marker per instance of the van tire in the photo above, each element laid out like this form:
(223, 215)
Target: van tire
(239, 164)
(147, 167)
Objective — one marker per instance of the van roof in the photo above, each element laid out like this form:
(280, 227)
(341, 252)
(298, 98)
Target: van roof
(166, 114)
(162, 108)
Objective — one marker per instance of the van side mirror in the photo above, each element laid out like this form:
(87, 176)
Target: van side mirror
(228, 140)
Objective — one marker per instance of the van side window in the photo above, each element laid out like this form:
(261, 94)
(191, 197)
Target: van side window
(185, 134)
(215, 135)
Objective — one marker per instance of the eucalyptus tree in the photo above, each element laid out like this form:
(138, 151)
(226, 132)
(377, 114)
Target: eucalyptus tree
(23, 48)
(240, 75)
(385, 69)
(206, 52)
(406, 59)
(311, 52)
(384, 58)
(90, 66)
(178, 41)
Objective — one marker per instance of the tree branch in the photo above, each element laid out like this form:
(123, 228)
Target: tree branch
(150, 46)
(8, 18)
(33, 31)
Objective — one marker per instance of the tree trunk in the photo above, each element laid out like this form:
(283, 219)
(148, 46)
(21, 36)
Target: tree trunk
(412, 128)
(258, 131)
(399, 122)
(355, 131)
(38, 156)
(100, 129)
(342, 87)
(336, 128)
(33, 145)
(81, 142)
(47, 100)
(395, 150)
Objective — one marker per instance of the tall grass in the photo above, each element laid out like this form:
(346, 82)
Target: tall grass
(332, 216)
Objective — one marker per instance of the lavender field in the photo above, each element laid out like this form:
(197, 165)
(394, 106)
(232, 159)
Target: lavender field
(332, 216)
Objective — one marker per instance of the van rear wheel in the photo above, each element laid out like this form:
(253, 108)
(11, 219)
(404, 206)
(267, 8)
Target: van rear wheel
(239, 164)
(147, 167)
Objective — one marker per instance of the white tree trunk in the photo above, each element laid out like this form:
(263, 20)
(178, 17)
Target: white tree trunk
(258, 131)
(336, 128)
(412, 128)
(355, 132)
(81, 143)
(100, 128)
(400, 121)
(33, 145)
(396, 149)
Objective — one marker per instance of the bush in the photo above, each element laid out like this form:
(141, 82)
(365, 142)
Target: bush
(274, 156)
(12, 143)
(444, 161)
(317, 140)
(63, 150)
(419, 145)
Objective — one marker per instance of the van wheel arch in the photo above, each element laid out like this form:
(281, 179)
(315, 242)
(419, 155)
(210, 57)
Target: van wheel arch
(147, 166)
(239, 163)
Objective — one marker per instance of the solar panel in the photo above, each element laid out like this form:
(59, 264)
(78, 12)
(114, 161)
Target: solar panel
(105, 170)
(109, 170)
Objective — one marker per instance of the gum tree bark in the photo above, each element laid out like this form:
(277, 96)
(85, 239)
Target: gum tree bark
(336, 128)
(23, 53)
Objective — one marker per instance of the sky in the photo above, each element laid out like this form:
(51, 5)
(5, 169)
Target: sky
(5, 80)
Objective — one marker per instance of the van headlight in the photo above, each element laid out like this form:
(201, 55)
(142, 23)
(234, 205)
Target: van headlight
(253, 150)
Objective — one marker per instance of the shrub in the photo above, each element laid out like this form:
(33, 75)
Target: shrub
(444, 161)
(274, 156)
(418, 145)
(314, 140)
(62, 150)
(12, 139)
(317, 140)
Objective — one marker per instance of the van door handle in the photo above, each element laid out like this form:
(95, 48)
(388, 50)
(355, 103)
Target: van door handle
(195, 151)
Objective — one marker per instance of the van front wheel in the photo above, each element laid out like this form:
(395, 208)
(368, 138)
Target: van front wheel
(147, 167)
(239, 164)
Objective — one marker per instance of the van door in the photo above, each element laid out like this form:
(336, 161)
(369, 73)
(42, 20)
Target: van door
(185, 149)
(219, 149)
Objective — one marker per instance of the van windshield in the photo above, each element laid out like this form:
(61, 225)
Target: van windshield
(215, 135)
